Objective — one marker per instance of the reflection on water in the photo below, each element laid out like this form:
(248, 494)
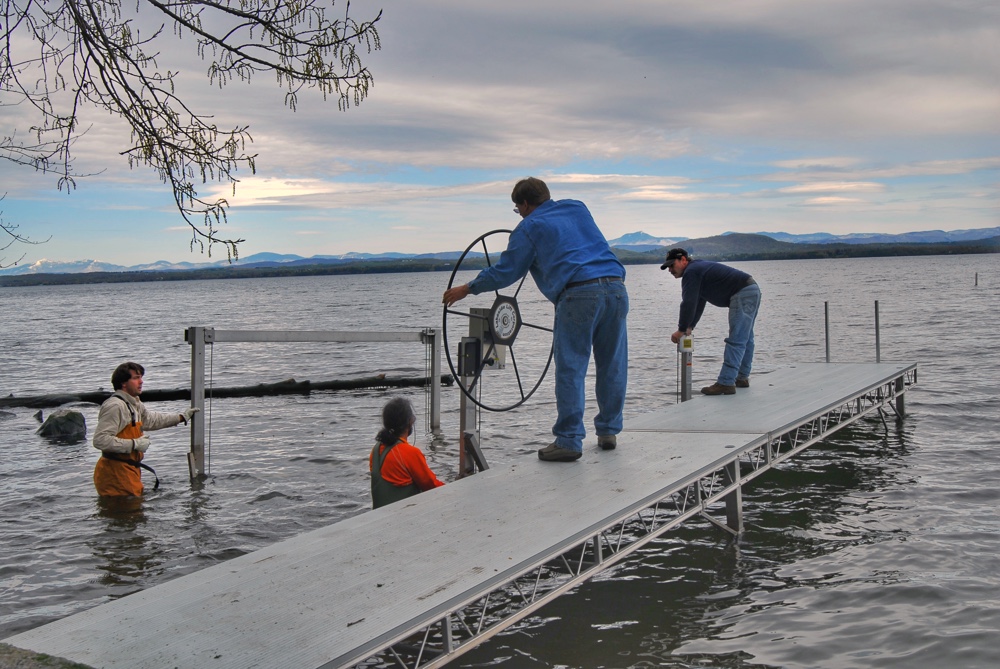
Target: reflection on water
(877, 547)
(126, 556)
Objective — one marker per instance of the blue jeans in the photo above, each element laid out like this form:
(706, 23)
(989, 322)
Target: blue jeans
(590, 317)
(738, 358)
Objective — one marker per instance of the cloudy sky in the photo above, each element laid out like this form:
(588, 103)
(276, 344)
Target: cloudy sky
(680, 118)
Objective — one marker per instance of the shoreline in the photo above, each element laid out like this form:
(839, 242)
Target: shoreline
(726, 248)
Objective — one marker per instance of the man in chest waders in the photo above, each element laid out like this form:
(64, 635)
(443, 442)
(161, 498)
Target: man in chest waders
(399, 470)
(120, 437)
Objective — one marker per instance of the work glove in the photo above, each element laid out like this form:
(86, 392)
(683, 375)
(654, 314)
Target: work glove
(140, 444)
(188, 413)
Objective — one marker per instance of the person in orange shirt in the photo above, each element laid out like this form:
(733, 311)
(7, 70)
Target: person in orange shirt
(120, 435)
(399, 470)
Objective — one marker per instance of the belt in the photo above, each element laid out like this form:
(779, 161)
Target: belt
(118, 457)
(574, 284)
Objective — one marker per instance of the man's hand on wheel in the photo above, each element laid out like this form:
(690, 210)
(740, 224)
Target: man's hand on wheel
(453, 295)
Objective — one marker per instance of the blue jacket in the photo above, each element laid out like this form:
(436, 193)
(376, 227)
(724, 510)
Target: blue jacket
(707, 281)
(559, 243)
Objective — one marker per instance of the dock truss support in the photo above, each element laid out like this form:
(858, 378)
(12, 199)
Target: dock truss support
(448, 631)
(198, 337)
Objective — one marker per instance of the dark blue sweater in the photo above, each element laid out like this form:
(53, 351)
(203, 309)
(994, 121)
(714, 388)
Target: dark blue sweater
(707, 281)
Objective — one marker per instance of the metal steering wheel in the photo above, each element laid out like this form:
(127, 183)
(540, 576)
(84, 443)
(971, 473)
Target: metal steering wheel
(503, 326)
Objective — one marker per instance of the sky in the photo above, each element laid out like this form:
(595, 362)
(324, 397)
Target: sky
(679, 119)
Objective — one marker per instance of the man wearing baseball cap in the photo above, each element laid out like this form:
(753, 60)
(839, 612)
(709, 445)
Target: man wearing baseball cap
(704, 281)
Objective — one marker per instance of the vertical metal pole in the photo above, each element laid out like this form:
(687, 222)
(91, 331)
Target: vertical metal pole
(469, 362)
(448, 640)
(901, 396)
(467, 426)
(878, 341)
(687, 356)
(433, 340)
(196, 456)
(826, 310)
(734, 500)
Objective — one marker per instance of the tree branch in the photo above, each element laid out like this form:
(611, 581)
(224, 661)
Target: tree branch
(89, 54)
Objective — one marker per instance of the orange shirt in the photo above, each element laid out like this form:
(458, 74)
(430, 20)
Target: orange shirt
(404, 465)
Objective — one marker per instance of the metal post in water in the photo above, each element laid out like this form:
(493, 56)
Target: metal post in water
(826, 310)
(469, 360)
(196, 456)
(685, 349)
(900, 396)
(878, 343)
(734, 500)
(467, 434)
(433, 341)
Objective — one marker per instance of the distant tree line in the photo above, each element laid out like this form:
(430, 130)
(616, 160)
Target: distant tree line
(732, 248)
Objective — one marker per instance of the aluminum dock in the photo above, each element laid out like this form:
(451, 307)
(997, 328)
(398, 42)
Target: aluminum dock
(419, 582)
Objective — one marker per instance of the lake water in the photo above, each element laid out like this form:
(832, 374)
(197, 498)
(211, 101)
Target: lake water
(872, 549)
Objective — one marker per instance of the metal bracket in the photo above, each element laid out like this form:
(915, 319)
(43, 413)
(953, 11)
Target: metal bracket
(475, 452)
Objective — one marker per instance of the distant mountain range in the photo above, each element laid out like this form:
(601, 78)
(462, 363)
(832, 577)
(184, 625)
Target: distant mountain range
(641, 242)
(636, 242)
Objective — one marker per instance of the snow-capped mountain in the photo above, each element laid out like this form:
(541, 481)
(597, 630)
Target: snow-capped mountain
(633, 241)
(640, 241)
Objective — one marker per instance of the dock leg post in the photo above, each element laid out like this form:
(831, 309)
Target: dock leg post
(878, 340)
(196, 456)
(900, 397)
(448, 640)
(734, 500)
(467, 428)
(826, 317)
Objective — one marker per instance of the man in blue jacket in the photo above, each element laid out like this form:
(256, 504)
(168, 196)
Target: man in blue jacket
(575, 268)
(705, 281)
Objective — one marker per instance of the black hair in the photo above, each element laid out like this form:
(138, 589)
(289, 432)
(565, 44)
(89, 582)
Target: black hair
(531, 190)
(397, 419)
(123, 373)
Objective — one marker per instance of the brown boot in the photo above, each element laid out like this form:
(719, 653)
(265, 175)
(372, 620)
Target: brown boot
(555, 453)
(742, 383)
(718, 389)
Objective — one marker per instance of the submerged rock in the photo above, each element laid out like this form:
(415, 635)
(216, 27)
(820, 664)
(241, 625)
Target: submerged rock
(64, 425)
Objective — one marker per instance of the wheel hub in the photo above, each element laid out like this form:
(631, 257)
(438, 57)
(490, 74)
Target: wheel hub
(505, 320)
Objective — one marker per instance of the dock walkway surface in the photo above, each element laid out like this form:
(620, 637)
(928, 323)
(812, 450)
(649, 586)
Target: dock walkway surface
(419, 582)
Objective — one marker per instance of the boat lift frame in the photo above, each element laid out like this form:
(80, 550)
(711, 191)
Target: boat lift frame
(445, 634)
(198, 337)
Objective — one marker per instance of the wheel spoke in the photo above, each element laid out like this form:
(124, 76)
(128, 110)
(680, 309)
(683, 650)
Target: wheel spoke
(517, 374)
(537, 327)
(516, 292)
(463, 314)
(486, 253)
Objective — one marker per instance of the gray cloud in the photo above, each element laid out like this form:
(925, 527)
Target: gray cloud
(700, 116)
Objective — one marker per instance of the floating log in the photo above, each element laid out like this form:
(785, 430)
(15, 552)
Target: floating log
(287, 387)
